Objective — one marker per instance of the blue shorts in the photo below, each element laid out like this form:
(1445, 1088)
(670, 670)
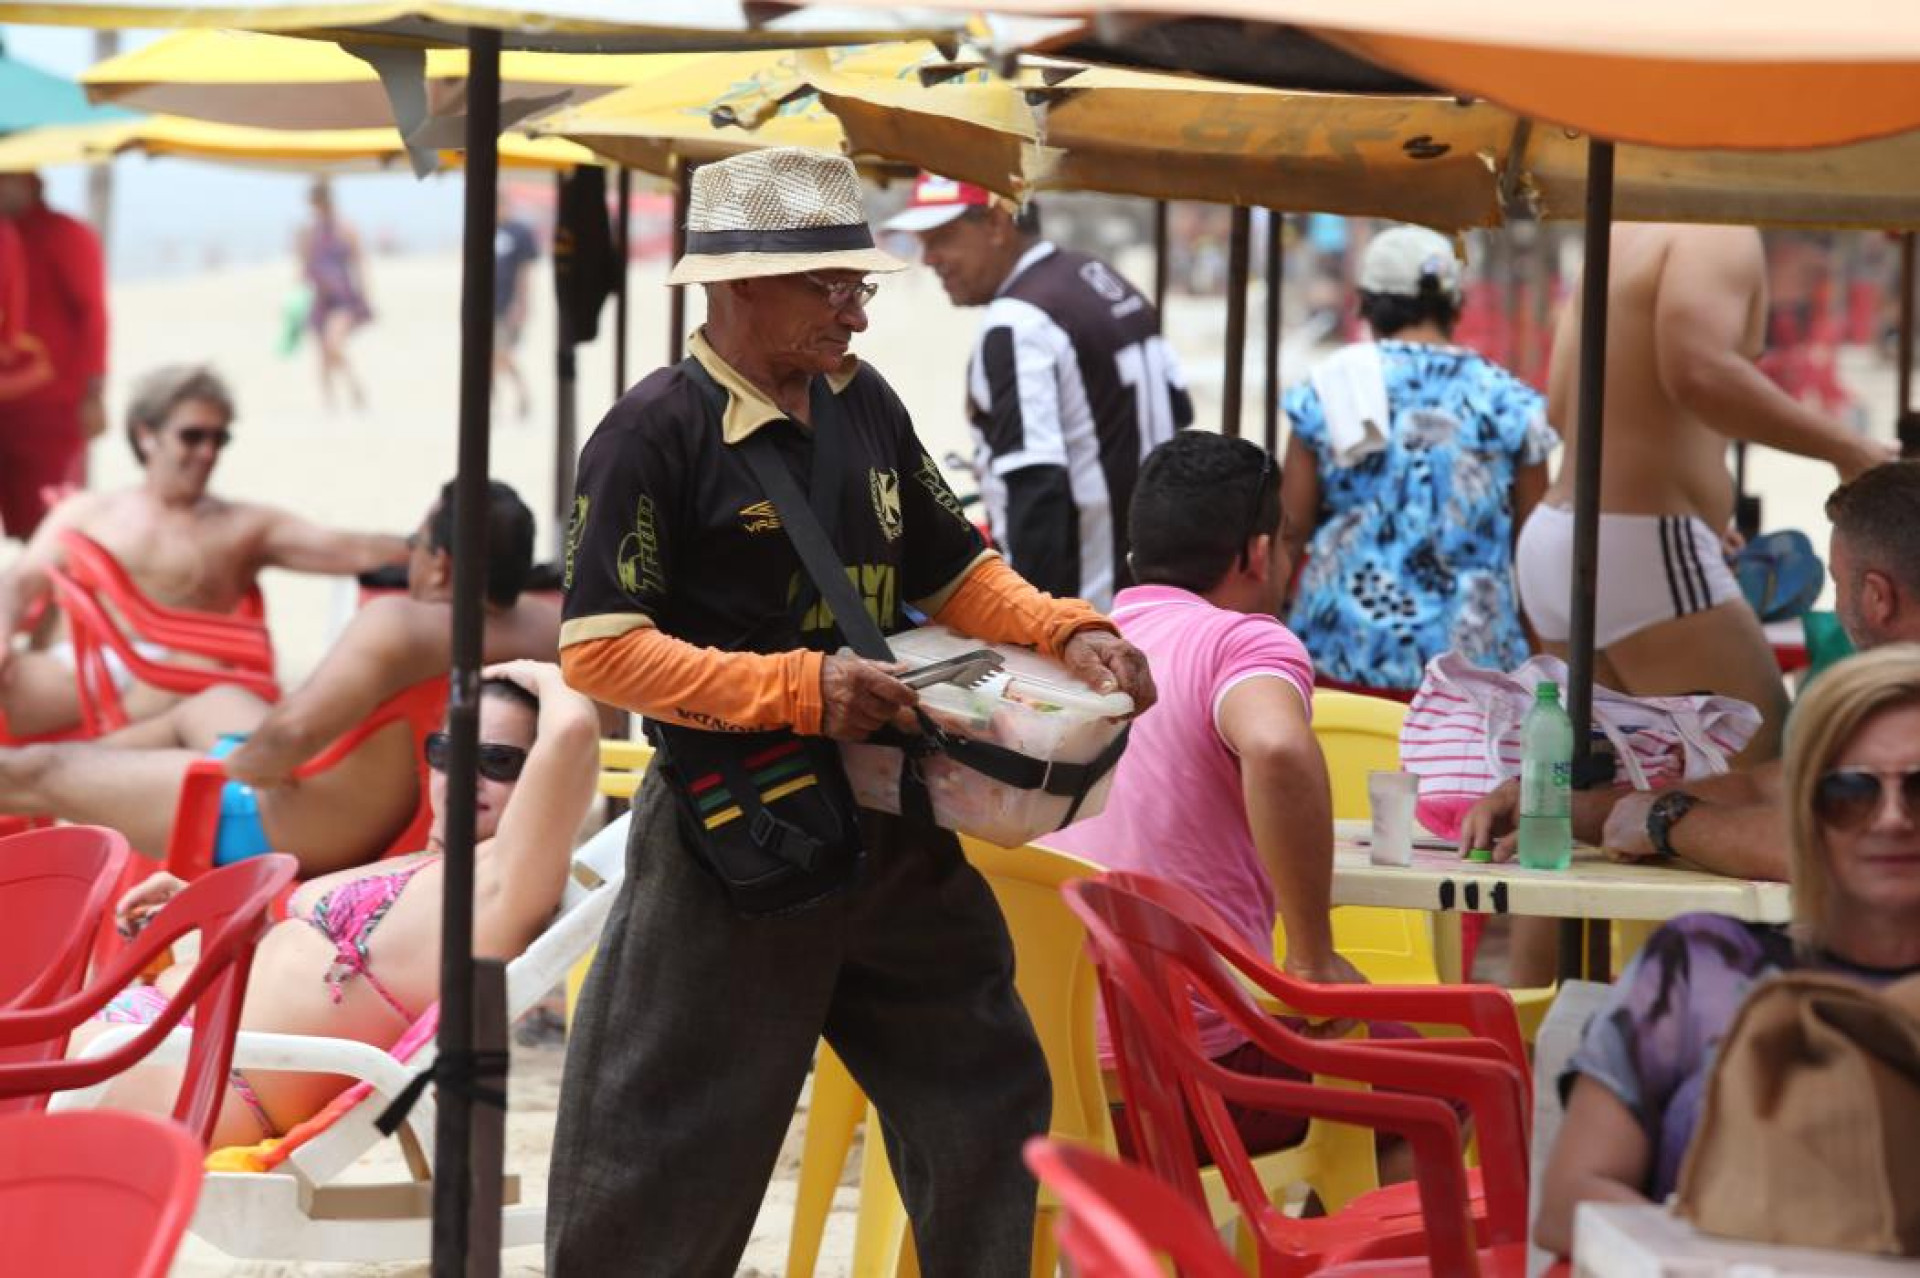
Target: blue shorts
(241, 835)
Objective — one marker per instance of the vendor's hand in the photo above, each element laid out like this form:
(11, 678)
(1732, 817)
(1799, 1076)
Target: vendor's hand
(1493, 822)
(1625, 836)
(145, 899)
(858, 697)
(1107, 663)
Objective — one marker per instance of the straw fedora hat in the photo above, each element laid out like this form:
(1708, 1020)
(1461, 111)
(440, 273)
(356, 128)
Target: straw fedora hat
(778, 211)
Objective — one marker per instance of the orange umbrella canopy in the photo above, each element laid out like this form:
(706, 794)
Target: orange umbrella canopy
(1732, 74)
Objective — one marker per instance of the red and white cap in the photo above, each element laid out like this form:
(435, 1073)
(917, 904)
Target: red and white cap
(937, 201)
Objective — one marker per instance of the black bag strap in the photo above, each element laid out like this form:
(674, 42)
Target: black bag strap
(826, 480)
(777, 838)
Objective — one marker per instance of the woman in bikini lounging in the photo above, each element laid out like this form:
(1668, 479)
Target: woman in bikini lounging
(357, 954)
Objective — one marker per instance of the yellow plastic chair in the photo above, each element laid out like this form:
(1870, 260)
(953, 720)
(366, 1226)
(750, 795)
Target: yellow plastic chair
(623, 765)
(1056, 980)
(1359, 735)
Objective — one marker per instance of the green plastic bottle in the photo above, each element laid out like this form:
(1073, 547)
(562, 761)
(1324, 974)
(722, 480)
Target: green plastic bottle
(1546, 783)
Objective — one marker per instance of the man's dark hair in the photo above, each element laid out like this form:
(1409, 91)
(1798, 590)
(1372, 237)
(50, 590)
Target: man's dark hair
(509, 539)
(1878, 512)
(1388, 313)
(156, 395)
(1196, 505)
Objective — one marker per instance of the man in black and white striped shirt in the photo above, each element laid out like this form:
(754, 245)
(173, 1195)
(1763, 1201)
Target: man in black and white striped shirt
(1069, 386)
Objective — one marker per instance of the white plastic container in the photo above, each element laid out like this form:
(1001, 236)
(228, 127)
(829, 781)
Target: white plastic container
(1033, 706)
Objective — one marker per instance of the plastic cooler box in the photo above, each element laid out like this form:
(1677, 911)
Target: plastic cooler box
(1032, 705)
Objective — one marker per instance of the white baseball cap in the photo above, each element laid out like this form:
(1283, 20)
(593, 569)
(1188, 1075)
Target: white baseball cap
(1397, 260)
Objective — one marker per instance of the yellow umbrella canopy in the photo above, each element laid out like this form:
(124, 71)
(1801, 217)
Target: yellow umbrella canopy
(688, 113)
(557, 26)
(305, 150)
(275, 82)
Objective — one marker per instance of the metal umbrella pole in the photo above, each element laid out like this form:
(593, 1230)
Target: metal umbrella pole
(1239, 245)
(566, 427)
(677, 297)
(453, 1165)
(1906, 423)
(1276, 271)
(1160, 264)
(623, 231)
(1589, 413)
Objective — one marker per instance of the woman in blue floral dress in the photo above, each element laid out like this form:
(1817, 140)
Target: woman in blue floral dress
(1410, 465)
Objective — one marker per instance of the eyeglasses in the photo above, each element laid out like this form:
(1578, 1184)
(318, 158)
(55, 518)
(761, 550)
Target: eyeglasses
(1259, 500)
(840, 293)
(1848, 798)
(497, 762)
(201, 436)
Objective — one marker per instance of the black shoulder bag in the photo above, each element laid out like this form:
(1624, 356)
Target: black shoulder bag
(769, 814)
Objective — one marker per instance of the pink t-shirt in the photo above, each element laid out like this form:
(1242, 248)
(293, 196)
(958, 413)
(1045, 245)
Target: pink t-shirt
(1176, 810)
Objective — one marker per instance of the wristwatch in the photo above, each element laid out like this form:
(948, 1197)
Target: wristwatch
(1666, 812)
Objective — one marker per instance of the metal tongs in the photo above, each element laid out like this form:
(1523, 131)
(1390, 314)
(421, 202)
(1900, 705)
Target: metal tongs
(968, 670)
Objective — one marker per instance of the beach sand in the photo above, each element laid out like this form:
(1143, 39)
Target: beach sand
(381, 469)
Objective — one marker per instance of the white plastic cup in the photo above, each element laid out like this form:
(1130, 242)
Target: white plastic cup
(1391, 796)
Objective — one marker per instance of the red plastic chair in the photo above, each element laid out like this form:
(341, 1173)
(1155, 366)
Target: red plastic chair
(230, 908)
(196, 821)
(1153, 965)
(94, 634)
(55, 886)
(1480, 1011)
(238, 639)
(1116, 1220)
(95, 1194)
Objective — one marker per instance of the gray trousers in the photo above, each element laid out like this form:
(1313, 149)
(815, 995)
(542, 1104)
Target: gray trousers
(696, 1029)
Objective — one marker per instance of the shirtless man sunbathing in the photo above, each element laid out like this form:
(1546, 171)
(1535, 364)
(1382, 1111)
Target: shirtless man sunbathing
(183, 546)
(1686, 314)
(349, 813)
(539, 745)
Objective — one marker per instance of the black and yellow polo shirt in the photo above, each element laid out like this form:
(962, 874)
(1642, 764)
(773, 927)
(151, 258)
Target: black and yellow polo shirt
(670, 529)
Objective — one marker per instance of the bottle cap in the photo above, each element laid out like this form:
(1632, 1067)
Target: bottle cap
(1546, 690)
(1480, 854)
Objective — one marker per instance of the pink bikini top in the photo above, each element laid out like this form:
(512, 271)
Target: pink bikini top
(347, 916)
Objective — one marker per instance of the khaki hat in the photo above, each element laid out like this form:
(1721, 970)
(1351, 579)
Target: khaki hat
(778, 211)
(1397, 260)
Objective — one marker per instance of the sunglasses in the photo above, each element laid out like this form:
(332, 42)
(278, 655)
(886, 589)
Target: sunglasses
(1848, 798)
(840, 294)
(497, 762)
(201, 436)
(1259, 499)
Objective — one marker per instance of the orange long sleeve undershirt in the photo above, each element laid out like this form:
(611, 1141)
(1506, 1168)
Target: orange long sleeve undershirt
(656, 675)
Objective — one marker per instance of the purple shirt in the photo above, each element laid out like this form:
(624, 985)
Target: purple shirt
(1653, 1042)
(1176, 810)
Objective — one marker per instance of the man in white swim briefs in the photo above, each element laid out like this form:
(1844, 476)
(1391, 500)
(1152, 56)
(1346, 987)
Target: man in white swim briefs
(1686, 316)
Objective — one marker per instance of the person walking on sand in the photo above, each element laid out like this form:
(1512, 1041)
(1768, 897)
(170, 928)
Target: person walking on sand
(335, 271)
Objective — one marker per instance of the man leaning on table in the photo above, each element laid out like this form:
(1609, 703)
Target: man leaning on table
(698, 1025)
(1735, 824)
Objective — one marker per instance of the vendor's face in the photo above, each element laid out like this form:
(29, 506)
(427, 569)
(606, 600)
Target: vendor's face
(967, 254)
(506, 728)
(1873, 847)
(186, 447)
(801, 325)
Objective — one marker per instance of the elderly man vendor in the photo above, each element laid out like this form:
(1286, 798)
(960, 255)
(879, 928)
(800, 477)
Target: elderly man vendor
(687, 602)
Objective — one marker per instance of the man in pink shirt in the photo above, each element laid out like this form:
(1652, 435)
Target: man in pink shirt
(1223, 788)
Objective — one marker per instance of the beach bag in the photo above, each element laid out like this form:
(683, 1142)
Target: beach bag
(1807, 1133)
(1461, 736)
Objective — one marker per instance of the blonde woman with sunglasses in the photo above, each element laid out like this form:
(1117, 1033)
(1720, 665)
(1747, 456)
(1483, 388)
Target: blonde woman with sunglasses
(1852, 783)
(357, 954)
